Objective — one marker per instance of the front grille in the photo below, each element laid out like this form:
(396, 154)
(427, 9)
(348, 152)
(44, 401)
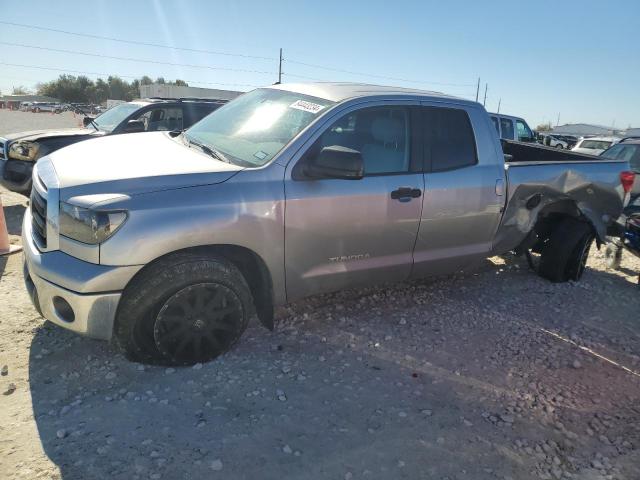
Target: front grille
(2, 154)
(39, 218)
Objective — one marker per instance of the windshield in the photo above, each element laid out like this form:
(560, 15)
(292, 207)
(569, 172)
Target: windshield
(114, 116)
(595, 144)
(252, 129)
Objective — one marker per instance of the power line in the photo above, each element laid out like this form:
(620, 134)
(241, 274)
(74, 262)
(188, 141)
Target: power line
(129, 59)
(211, 52)
(119, 75)
(340, 70)
(135, 42)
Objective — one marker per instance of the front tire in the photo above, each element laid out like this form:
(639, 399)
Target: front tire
(184, 309)
(564, 255)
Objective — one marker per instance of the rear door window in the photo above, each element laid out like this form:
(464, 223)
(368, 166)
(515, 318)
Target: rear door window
(506, 125)
(195, 113)
(449, 139)
(494, 120)
(162, 119)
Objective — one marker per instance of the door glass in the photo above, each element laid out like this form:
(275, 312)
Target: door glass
(451, 139)
(507, 129)
(524, 132)
(162, 119)
(380, 134)
(495, 124)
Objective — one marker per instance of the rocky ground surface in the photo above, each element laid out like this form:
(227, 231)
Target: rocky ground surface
(490, 374)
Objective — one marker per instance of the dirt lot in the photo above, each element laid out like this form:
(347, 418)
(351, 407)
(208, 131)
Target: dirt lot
(494, 373)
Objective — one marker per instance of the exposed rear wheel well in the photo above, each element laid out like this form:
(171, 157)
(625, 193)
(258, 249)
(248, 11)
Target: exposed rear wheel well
(548, 219)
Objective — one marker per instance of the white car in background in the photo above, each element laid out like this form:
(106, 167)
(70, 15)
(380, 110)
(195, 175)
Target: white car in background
(594, 145)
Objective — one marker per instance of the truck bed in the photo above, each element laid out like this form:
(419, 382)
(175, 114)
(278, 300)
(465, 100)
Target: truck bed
(534, 152)
(538, 176)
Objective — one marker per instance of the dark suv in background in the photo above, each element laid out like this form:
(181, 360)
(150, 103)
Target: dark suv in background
(20, 151)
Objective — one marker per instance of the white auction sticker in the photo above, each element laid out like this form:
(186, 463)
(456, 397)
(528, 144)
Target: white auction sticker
(306, 106)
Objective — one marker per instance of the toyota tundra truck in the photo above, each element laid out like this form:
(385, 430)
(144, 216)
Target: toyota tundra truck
(169, 242)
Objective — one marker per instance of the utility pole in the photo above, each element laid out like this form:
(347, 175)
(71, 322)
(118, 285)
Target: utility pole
(484, 102)
(280, 69)
(499, 102)
(558, 121)
(478, 89)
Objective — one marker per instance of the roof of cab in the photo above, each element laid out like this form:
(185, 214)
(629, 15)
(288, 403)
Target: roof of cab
(340, 91)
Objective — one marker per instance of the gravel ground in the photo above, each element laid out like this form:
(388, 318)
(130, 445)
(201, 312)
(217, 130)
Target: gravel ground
(489, 374)
(13, 122)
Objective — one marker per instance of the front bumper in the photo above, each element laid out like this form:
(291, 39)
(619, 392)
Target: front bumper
(74, 294)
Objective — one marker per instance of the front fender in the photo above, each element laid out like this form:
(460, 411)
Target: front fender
(240, 212)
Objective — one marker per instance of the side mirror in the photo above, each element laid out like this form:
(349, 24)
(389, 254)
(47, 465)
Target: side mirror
(134, 126)
(336, 162)
(86, 121)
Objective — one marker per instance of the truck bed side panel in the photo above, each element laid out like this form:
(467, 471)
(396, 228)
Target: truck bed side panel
(593, 186)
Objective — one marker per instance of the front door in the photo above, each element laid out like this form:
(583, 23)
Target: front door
(343, 233)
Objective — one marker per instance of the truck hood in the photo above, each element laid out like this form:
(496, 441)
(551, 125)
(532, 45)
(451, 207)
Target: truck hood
(133, 164)
(63, 132)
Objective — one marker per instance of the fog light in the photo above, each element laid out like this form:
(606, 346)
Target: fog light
(63, 309)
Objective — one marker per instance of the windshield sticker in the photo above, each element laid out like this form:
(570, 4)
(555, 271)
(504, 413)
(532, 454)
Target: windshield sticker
(261, 155)
(306, 106)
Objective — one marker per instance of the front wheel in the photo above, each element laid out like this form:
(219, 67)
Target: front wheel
(564, 255)
(559, 146)
(184, 309)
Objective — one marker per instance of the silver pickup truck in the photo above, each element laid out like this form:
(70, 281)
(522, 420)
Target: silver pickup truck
(169, 242)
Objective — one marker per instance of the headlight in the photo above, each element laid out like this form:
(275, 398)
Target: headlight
(24, 150)
(89, 226)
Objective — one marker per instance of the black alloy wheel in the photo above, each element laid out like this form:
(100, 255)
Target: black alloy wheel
(198, 322)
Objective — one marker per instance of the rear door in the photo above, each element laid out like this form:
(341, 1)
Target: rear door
(342, 233)
(463, 180)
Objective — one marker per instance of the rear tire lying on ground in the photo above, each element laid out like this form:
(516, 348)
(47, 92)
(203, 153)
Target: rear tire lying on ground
(183, 309)
(564, 255)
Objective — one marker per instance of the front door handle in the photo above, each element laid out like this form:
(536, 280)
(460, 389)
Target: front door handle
(404, 194)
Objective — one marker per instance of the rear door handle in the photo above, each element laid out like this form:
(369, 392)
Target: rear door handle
(404, 194)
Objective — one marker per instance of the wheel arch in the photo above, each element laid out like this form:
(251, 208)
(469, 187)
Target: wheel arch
(251, 265)
(551, 214)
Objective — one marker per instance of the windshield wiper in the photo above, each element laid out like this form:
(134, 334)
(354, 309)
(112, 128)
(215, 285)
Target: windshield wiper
(93, 123)
(212, 152)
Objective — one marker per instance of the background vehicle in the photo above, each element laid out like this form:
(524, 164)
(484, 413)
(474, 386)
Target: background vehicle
(594, 145)
(169, 241)
(628, 150)
(22, 150)
(37, 107)
(561, 141)
(512, 128)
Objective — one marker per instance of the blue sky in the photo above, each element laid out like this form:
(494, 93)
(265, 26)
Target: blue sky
(579, 59)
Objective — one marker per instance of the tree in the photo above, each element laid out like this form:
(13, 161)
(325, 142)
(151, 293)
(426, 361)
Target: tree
(180, 83)
(544, 127)
(20, 90)
(81, 89)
